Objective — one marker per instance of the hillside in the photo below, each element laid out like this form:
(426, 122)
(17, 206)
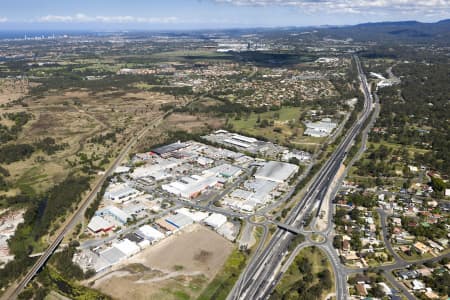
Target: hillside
(406, 31)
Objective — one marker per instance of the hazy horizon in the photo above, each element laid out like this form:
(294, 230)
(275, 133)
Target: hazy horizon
(114, 15)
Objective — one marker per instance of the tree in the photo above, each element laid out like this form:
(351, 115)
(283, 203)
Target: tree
(378, 181)
(294, 160)
(438, 184)
(377, 291)
(337, 241)
(26, 294)
(264, 123)
(355, 214)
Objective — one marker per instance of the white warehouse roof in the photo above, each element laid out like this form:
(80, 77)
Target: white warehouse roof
(320, 128)
(112, 255)
(215, 220)
(244, 138)
(204, 160)
(276, 171)
(262, 190)
(191, 189)
(121, 169)
(225, 170)
(120, 192)
(179, 220)
(197, 216)
(97, 224)
(150, 233)
(157, 168)
(237, 143)
(127, 247)
(118, 213)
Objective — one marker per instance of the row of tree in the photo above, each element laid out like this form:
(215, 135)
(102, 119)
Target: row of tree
(43, 213)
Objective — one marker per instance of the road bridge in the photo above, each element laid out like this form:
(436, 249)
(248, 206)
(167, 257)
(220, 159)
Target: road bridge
(287, 227)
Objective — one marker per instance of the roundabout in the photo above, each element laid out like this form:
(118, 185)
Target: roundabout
(317, 238)
(257, 219)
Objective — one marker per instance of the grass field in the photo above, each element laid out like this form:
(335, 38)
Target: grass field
(411, 149)
(369, 181)
(414, 256)
(182, 55)
(394, 176)
(287, 127)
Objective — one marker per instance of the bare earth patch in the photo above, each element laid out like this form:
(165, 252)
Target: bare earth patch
(192, 123)
(179, 121)
(322, 222)
(177, 267)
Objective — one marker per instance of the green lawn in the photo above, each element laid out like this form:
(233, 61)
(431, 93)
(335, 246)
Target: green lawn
(414, 256)
(286, 128)
(412, 150)
(143, 85)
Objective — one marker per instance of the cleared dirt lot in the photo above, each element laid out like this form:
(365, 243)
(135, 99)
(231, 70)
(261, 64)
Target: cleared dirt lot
(192, 123)
(178, 267)
(322, 222)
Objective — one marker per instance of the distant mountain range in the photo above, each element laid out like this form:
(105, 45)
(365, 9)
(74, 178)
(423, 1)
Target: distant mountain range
(389, 32)
(412, 31)
(381, 32)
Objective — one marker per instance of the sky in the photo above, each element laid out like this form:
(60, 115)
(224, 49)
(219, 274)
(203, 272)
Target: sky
(110, 15)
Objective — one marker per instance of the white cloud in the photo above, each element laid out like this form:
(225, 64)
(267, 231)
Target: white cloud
(3, 19)
(350, 6)
(82, 18)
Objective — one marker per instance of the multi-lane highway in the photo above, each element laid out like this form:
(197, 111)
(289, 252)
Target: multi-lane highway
(17, 288)
(259, 278)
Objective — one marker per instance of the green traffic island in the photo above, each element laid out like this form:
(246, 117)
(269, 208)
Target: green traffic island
(317, 238)
(310, 276)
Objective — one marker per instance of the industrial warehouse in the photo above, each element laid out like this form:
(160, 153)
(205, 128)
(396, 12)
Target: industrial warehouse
(255, 146)
(147, 200)
(320, 128)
